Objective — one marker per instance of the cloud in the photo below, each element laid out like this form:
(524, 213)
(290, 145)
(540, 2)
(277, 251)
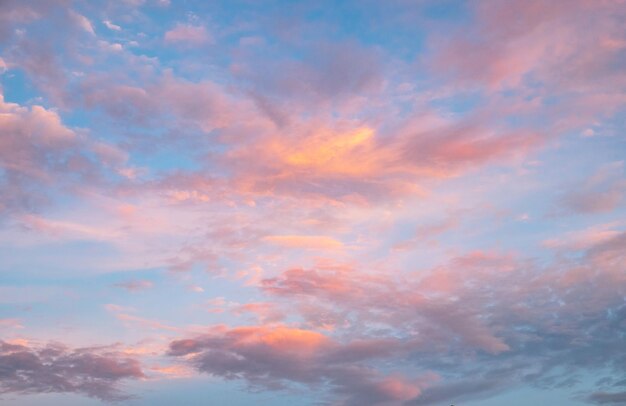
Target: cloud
(39, 155)
(603, 398)
(111, 26)
(272, 357)
(508, 53)
(532, 39)
(190, 34)
(313, 242)
(130, 320)
(600, 193)
(82, 21)
(57, 368)
(358, 298)
(466, 389)
(368, 165)
(317, 169)
(326, 72)
(265, 312)
(584, 239)
(10, 324)
(204, 105)
(468, 307)
(12, 12)
(135, 285)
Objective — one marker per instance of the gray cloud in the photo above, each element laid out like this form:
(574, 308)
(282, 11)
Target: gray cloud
(511, 321)
(57, 368)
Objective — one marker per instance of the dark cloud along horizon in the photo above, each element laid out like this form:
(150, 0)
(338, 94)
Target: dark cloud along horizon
(529, 336)
(57, 368)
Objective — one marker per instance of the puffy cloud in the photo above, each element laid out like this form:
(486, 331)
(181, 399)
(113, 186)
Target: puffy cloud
(39, 156)
(273, 356)
(111, 26)
(82, 21)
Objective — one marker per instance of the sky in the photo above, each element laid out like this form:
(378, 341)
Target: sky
(342, 203)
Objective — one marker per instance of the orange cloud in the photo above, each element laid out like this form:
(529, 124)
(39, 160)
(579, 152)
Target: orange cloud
(349, 153)
(304, 241)
(296, 341)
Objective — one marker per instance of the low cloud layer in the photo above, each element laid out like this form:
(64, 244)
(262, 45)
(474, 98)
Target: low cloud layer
(480, 324)
(30, 369)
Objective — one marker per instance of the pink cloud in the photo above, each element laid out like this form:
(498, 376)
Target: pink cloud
(38, 152)
(190, 34)
(363, 164)
(357, 298)
(265, 312)
(314, 242)
(82, 21)
(274, 356)
(10, 324)
(534, 38)
(133, 321)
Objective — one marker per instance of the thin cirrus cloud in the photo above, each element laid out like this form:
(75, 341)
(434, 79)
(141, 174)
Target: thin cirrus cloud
(409, 203)
(134, 285)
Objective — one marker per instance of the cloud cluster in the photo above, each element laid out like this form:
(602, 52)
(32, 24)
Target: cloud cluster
(478, 325)
(26, 368)
(40, 156)
(273, 356)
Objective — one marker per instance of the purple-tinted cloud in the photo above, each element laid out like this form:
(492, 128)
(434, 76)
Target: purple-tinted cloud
(57, 368)
(134, 285)
(272, 357)
(420, 326)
